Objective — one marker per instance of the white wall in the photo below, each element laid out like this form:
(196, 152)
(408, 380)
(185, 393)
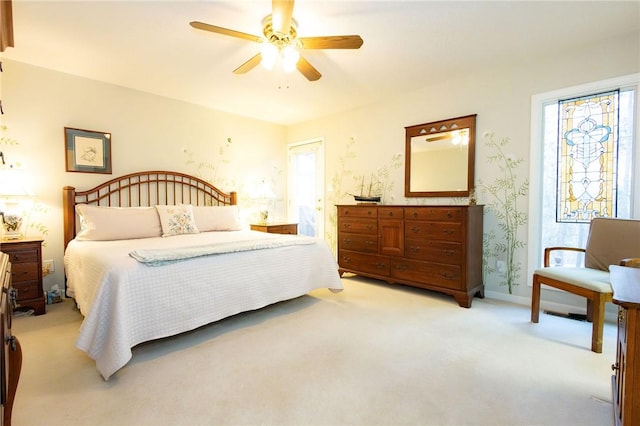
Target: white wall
(500, 95)
(148, 133)
(153, 132)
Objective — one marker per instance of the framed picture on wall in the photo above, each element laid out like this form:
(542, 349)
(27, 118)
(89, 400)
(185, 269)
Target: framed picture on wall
(87, 151)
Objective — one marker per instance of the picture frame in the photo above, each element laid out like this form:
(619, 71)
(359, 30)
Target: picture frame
(87, 151)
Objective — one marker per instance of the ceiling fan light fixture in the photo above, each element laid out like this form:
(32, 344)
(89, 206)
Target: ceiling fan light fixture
(290, 58)
(281, 43)
(269, 55)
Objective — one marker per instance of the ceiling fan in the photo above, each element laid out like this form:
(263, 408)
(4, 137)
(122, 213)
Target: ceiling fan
(281, 40)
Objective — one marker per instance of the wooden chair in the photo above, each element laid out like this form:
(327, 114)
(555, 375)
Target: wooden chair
(610, 242)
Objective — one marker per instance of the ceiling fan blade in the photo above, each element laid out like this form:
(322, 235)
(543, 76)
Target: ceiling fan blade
(308, 70)
(225, 31)
(281, 15)
(249, 65)
(332, 42)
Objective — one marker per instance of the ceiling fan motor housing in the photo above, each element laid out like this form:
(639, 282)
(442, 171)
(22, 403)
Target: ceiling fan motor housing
(278, 39)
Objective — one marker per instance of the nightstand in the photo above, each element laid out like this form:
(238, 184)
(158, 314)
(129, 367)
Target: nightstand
(276, 228)
(26, 271)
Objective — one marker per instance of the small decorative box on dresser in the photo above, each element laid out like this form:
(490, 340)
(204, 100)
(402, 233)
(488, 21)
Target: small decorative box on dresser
(276, 228)
(433, 247)
(26, 269)
(625, 383)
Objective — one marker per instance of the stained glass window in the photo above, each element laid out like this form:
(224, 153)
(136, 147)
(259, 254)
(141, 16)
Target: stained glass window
(588, 157)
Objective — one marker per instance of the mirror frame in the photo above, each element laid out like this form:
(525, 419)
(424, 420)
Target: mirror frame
(468, 122)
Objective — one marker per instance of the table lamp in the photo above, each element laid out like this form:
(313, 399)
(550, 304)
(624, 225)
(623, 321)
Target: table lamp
(14, 197)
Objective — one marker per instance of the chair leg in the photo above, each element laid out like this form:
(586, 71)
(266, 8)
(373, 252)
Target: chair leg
(589, 310)
(535, 299)
(598, 323)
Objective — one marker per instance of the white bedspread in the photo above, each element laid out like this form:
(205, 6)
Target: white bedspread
(126, 302)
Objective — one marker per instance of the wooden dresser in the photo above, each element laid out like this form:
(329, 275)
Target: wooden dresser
(433, 247)
(11, 355)
(625, 382)
(26, 259)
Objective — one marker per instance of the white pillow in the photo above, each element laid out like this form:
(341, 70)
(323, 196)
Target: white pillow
(177, 220)
(117, 223)
(217, 218)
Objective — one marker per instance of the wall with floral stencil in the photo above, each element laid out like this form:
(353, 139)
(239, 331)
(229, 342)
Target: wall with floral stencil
(360, 141)
(148, 133)
(236, 152)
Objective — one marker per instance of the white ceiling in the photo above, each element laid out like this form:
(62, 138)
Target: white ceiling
(149, 46)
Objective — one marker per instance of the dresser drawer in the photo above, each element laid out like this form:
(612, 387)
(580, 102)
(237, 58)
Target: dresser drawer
(358, 211)
(390, 212)
(358, 225)
(443, 231)
(434, 251)
(361, 262)
(358, 242)
(22, 256)
(436, 214)
(26, 290)
(283, 229)
(21, 272)
(447, 276)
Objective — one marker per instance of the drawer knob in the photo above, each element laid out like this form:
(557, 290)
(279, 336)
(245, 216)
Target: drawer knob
(380, 265)
(414, 249)
(449, 231)
(369, 243)
(415, 229)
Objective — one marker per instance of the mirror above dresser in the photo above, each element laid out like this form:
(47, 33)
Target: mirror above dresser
(440, 158)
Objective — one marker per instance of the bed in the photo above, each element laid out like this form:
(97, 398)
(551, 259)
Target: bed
(157, 253)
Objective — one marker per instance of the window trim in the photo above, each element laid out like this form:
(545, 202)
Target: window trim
(535, 154)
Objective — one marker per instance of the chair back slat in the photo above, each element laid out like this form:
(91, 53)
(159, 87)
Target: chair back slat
(611, 240)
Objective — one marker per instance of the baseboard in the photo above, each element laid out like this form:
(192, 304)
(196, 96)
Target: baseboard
(610, 314)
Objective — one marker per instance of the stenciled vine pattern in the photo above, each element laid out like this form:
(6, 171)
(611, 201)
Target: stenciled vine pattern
(503, 195)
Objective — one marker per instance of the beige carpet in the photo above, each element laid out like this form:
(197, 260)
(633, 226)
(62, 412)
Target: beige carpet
(372, 355)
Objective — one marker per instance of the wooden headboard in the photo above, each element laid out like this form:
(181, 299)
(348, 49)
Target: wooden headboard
(142, 189)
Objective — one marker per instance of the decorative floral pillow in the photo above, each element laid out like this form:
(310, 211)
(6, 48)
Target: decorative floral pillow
(177, 220)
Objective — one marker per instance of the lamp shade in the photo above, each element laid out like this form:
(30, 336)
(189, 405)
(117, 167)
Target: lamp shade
(13, 184)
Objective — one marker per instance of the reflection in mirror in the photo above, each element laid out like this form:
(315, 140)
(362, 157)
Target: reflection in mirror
(440, 158)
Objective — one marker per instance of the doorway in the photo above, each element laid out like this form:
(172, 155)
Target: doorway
(306, 186)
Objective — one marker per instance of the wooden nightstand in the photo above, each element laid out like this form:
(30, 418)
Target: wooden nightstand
(26, 271)
(276, 228)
